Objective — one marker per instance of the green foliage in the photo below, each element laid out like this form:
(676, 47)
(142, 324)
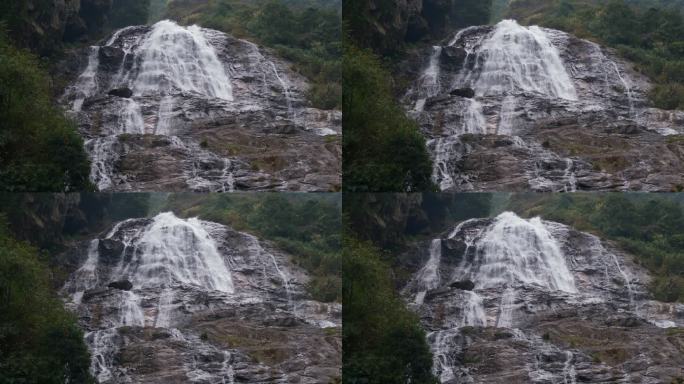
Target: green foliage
(307, 35)
(649, 33)
(40, 341)
(383, 341)
(647, 226)
(383, 149)
(306, 226)
(40, 149)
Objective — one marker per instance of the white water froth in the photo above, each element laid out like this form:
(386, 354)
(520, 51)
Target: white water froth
(180, 58)
(518, 251)
(516, 58)
(177, 251)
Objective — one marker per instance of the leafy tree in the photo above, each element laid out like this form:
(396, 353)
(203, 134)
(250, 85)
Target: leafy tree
(384, 151)
(40, 149)
(383, 341)
(40, 341)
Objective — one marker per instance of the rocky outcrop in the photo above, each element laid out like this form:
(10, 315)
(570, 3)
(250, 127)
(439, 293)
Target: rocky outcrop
(195, 301)
(170, 108)
(548, 304)
(548, 112)
(386, 29)
(47, 24)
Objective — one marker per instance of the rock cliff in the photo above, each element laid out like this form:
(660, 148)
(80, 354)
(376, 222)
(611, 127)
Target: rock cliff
(510, 300)
(170, 108)
(513, 108)
(172, 300)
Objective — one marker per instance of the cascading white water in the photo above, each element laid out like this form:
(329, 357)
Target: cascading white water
(441, 345)
(86, 84)
(628, 89)
(473, 119)
(518, 251)
(506, 308)
(177, 251)
(473, 310)
(257, 251)
(428, 276)
(569, 373)
(169, 62)
(429, 79)
(180, 58)
(517, 58)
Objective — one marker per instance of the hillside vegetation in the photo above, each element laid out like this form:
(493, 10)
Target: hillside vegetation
(40, 341)
(40, 149)
(308, 33)
(649, 33)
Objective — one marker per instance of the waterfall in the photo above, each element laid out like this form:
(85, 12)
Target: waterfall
(518, 58)
(86, 277)
(160, 67)
(180, 58)
(518, 251)
(286, 90)
(258, 251)
(628, 89)
(441, 345)
(507, 116)
(428, 276)
(177, 251)
(86, 84)
(473, 118)
(473, 310)
(569, 176)
(102, 349)
(429, 80)
(569, 374)
(628, 284)
(506, 309)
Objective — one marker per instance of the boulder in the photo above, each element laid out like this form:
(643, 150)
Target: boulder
(123, 285)
(465, 285)
(110, 251)
(468, 93)
(121, 92)
(452, 58)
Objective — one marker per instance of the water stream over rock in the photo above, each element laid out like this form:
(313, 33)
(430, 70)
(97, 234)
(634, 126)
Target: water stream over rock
(184, 300)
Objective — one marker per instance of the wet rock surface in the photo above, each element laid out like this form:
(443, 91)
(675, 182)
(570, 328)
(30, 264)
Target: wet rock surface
(587, 319)
(575, 117)
(206, 304)
(171, 108)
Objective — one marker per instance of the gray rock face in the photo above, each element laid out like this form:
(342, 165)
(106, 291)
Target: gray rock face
(549, 305)
(204, 304)
(170, 108)
(549, 112)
